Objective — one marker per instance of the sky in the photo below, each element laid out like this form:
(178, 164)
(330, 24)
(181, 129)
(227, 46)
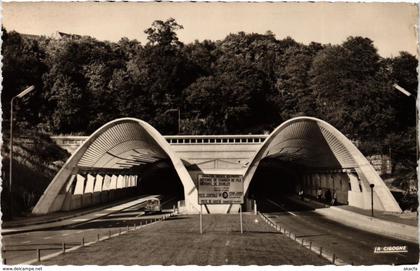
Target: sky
(392, 26)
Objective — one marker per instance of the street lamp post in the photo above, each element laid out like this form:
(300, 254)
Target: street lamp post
(20, 95)
(179, 117)
(371, 197)
(405, 92)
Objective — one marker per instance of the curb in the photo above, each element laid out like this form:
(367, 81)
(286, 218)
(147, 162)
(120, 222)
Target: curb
(57, 219)
(376, 225)
(17, 231)
(311, 246)
(366, 223)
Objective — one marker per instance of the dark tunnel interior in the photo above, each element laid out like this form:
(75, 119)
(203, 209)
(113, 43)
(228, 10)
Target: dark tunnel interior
(162, 180)
(273, 183)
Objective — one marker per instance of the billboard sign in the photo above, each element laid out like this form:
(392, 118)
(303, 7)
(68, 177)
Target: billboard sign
(220, 189)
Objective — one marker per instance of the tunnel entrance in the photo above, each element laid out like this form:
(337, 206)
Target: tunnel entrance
(276, 185)
(323, 159)
(161, 179)
(273, 183)
(273, 179)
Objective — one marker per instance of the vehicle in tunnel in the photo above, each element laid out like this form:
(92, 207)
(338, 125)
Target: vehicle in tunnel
(153, 206)
(161, 179)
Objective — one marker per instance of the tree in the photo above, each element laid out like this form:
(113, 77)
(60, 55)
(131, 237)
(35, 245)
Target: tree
(23, 66)
(294, 95)
(162, 71)
(351, 91)
(203, 56)
(69, 114)
(403, 69)
(163, 33)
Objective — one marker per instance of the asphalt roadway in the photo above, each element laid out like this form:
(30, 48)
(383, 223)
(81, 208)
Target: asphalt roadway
(178, 241)
(349, 244)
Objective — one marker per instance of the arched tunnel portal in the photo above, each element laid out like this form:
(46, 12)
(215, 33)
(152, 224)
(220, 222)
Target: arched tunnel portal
(123, 158)
(309, 154)
(129, 157)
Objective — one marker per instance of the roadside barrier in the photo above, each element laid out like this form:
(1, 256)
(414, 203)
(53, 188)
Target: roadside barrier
(64, 247)
(331, 257)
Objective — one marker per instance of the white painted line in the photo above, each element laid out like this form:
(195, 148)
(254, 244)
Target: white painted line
(227, 243)
(26, 242)
(65, 234)
(48, 237)
(79, 231)
(79, 219)
(275, 203)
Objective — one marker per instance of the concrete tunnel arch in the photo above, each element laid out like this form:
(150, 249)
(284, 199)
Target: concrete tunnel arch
(299, 140)
(109, 148)
(319, 146)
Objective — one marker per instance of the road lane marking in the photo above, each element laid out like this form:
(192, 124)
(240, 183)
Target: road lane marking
(278, 205)
(79, 231)
(26, 242)
(79, 220)
(48, 237)
(227, 243)
(65, 234)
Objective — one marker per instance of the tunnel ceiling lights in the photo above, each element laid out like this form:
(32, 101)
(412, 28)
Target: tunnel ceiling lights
(154, 156)
(145, 152)
(145, 159)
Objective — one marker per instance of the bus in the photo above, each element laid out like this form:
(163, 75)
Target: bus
(153, 206)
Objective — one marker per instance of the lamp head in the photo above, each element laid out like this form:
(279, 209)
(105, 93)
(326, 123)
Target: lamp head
(26, 91)
(401, 89)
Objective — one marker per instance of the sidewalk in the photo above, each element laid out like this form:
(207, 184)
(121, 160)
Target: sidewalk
(76, 218)
(57, 216)
(406, 219)
(382, 223)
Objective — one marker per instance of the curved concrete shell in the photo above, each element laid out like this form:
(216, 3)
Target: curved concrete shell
(321, 149)
(108, 165)
(115, 148)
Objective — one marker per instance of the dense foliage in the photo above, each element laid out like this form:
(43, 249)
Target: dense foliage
(245, 83)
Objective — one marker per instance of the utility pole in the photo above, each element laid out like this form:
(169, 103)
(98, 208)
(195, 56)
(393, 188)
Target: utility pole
(371, 197)
(179, 117)
(20, 95)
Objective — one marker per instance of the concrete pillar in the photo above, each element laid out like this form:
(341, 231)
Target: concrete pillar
(89, 184)
(80, 185)
(98, 183)
(113, 185)
(69, 184)
(106, 183)
(120, 182)
(125, 181)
